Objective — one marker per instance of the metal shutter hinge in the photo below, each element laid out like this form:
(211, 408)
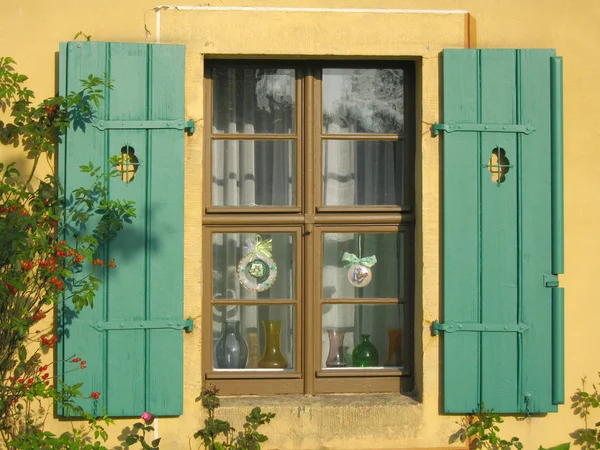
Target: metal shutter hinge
(178, 124)
(451, 127)
(187, 325)
(451, 327)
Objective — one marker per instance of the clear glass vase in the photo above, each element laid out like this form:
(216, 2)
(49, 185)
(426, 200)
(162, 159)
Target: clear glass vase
(231, 350)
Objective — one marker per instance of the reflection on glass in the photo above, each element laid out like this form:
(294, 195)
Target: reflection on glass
(346, 327)
(233, 252)
(254, 100)
(363, 101)
(243, 337)
(253, 173)
(343, 252)
(362, 172)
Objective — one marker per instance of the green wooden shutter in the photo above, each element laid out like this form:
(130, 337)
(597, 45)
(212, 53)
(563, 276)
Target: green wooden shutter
(502, 241)
(132, 340)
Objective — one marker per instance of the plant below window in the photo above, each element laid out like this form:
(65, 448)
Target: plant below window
(143, 428)
(585, 400)
(49, 254)
(248, 439)
(481, 431)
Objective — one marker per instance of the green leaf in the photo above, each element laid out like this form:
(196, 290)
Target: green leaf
(22, 353)
(565, 446)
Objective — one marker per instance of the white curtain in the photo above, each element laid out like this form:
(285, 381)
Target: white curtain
(253, 172)
(249, 172)
(362, 172)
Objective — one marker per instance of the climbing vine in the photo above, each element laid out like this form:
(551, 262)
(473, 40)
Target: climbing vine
(49, 254)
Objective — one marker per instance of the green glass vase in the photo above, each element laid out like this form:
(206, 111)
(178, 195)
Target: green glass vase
(365, 353)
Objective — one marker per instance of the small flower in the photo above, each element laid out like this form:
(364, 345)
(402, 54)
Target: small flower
(146, 417)
(95, 395)
(76, 360)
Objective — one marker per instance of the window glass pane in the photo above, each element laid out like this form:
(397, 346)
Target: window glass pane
(254, 100)
(257, 337)
(362, 335)
(254, 173)
(350, 270)
(253, 266)
(362, 172)
(363, 101)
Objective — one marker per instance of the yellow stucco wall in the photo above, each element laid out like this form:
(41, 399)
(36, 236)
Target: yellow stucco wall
(31, 31)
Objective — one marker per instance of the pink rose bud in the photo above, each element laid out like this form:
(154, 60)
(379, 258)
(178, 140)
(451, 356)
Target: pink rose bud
(147, 417)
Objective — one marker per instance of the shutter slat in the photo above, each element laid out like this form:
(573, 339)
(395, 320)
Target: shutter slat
(128, 292)
(461, 261)
(556, 87)
(558, 346)
(498, 233)
(82, 60)
(536, 229)
(166, 225)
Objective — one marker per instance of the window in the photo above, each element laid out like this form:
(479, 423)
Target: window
(308, 230)
(293, 153)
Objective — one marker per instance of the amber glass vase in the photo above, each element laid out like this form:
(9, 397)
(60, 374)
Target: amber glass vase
(394, 352)
(272, 358)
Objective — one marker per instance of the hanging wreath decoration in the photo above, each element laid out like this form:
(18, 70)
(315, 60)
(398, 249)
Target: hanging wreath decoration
(359, 269)
(257, 270)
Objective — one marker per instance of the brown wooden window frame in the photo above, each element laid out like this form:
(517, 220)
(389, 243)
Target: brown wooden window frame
(309, 219)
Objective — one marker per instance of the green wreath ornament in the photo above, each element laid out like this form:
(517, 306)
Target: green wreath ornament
(257, 271)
